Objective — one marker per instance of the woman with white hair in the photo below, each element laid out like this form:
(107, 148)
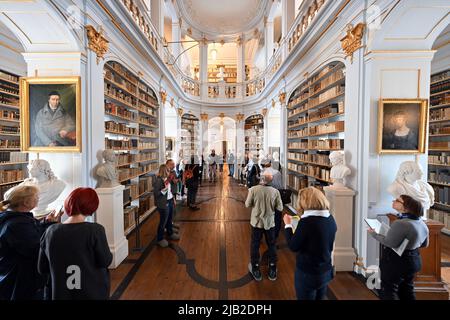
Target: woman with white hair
(20, 234)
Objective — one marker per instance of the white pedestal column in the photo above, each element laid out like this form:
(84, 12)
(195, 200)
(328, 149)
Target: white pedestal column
(341, 201)
(110, 216)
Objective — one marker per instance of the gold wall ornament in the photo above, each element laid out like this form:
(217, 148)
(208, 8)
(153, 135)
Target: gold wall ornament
(222, 115)
(352, 41)
(282, 97)
(172, 102)
(97, 42)
(189, 31)
(239, 41)
(180, 112)
(204, 116)
(264, 112)
(273, 103)
(240, 117)
(163, 95)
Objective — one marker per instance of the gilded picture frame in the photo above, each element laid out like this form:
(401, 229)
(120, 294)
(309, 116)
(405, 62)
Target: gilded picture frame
(50, 114)
(402, 125)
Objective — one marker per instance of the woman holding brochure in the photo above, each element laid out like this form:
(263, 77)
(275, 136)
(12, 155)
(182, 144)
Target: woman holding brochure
(398, 268)
(163, 199)
(313, 240)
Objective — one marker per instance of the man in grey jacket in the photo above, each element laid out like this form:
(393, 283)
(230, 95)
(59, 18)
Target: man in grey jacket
(264, 200)
(53, 126)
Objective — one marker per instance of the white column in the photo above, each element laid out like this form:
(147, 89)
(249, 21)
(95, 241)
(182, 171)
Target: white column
(176, 36)
(269, 35)
(203, 56)
(341, 201)
(110, 216)
(287, 18)
(283, 143)
(157, 14)
(240, 143)
(240, 66)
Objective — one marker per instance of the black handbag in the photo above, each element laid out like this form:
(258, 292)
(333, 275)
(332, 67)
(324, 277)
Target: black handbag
(285, 195)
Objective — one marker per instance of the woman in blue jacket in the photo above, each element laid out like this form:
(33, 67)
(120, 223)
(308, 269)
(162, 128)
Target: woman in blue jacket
(313, 242)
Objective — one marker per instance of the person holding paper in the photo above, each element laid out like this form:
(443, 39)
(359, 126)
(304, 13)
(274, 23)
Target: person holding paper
(162, 192)
(398, 267)
(313, 241)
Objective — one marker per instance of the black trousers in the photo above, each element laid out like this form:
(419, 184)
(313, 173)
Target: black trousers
(278, 220)
(398, 273)
(257, 234)
(192, 193)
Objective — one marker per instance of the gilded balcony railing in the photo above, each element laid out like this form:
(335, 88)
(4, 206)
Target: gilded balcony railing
(308, 10)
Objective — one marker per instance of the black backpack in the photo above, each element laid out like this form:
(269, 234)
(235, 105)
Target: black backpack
(285, 196)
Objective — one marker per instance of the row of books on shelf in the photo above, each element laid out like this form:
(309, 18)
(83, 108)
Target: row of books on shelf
(7, 176)
(296, 182)
(115, 110)
(188, 127)
(443, 158)
(439, 114)
(148, 121)
(327, 95)
(9, 115)
(333, 144)
(441, 99)
(147, 145)
(254, 134)
(123, 72)
(130, 173)
(442, 194)
(9, 88)
(439, 87)
(295, 111)
(322, 159)
(189, 121)
(120, 95)
(439, 129)
(440, 76)
(325, 128)
(334, 77)
(120, 128)
(145, 108)
(148, 133)
(120, 81)
(9, 129)
(441, 216)
(325, 112)
(121, 144)
(310, 170)
(145, 204)
(439, 176)
(439, 144)
(9, 100)
(129, 217)
(128, 158)
(13, 144)
(9, 77)
(13, 157)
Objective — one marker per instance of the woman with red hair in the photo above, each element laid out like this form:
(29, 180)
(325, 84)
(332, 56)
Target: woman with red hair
(76, 253)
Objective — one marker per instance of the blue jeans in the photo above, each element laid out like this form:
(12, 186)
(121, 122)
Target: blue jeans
(165, 220)
(311, 286)
(231, 167)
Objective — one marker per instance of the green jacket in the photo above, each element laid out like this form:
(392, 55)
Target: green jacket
(263, 200)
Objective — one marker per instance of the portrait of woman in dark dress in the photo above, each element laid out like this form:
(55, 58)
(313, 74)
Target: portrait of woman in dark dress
(402, 137)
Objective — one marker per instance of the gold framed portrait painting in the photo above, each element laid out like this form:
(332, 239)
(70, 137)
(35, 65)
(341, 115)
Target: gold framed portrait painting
(402, 126)
(50, 114)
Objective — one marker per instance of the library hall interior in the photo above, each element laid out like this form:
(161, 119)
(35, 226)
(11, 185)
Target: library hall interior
(258, 150)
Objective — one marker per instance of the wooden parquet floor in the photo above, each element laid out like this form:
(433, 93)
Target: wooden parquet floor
(210, 261)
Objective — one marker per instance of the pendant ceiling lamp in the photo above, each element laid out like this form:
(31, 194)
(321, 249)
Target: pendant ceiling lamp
(213, 52)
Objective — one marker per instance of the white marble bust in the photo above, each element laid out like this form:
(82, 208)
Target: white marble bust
(107, 171)
(409, 182)
(50, 187)
(339, 170)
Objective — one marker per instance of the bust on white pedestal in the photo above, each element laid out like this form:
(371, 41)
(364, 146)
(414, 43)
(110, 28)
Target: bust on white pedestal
(50, 187)
(408, 182)
(341, 201)
(339, 170)
(107, 172)
(110, 211)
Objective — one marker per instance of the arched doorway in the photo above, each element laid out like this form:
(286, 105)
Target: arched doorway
(221, 135)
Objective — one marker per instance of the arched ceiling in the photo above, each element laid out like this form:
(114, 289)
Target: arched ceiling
(216, 18)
